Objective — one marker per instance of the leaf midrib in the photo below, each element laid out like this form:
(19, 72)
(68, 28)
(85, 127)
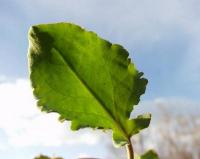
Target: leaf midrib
(117, 125)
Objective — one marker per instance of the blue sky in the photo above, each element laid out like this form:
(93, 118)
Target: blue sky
(162, 38)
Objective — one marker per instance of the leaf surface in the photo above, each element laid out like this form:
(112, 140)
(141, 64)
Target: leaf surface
(85, 79)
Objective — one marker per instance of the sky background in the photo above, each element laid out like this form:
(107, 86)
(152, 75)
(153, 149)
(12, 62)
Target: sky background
(162, 37)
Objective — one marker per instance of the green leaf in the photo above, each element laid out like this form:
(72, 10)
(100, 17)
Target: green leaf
(151, 154)
(85, 79)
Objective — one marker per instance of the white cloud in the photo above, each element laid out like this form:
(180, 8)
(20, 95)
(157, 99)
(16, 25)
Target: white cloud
(2, 78)
(83, 155)
(173, 105)
(2, 147)
(178, 105)
(25, 125)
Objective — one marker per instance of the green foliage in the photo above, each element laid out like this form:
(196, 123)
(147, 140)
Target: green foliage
(46, 157)
(85, 79)
(148, 155)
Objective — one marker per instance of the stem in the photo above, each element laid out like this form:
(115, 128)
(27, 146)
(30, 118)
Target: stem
(130, 151)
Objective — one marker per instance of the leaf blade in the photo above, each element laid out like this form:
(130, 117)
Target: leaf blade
(84, 78)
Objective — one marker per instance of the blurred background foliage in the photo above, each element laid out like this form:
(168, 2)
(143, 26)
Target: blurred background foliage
(172, 136)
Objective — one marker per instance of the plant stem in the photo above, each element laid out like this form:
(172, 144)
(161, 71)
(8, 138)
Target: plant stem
(130, 151)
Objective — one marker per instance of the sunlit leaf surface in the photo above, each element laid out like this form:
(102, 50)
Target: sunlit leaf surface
(85, 79)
